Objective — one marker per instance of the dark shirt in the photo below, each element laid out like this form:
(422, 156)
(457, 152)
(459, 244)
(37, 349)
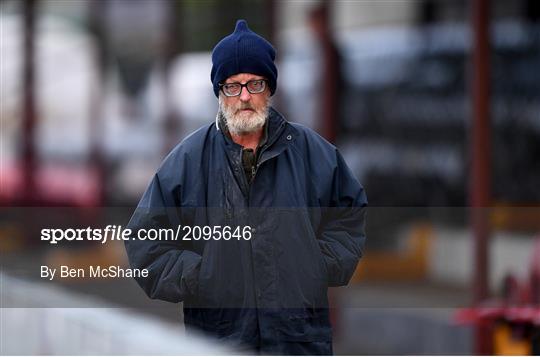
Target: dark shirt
(249, 158)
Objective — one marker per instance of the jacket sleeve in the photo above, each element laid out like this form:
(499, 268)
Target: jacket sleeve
(172, 269)
(342, 230)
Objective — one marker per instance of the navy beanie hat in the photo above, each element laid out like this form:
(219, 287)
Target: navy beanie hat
(243, 51)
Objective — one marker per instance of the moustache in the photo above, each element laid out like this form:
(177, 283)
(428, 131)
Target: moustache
(244, 106)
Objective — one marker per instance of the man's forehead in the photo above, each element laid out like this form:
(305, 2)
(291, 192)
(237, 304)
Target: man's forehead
(240, 77)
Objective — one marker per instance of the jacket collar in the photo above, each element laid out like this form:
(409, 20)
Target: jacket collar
(274, 126)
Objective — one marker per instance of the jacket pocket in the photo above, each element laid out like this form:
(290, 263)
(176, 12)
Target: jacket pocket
(314, 244)
(310, 325)
(203, 275)
(322, 263)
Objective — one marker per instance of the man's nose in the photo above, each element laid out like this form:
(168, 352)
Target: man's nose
(245, 96)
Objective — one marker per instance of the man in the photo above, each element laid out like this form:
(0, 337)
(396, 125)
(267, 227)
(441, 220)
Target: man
(272, 213)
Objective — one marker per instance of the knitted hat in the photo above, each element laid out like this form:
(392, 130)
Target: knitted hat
(243, 51)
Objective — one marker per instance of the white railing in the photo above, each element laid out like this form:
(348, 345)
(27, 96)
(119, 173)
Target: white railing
(31, 323)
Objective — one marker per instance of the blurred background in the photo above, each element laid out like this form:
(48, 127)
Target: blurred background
(435, 105)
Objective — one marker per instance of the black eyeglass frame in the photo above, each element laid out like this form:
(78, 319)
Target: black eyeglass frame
(221, 85)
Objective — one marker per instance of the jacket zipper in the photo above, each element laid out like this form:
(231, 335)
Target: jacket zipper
(255, 167)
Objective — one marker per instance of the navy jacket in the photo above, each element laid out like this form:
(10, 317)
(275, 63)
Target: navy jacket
(306, 212)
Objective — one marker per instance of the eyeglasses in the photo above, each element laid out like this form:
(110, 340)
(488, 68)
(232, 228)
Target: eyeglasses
(255, 86)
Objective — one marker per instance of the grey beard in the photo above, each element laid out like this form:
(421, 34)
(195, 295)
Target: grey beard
(239, 126)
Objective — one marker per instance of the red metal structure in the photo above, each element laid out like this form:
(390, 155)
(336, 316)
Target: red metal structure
(328, 106)
(480, 186)
(29, 103)
(511, 323)
(27, 182)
